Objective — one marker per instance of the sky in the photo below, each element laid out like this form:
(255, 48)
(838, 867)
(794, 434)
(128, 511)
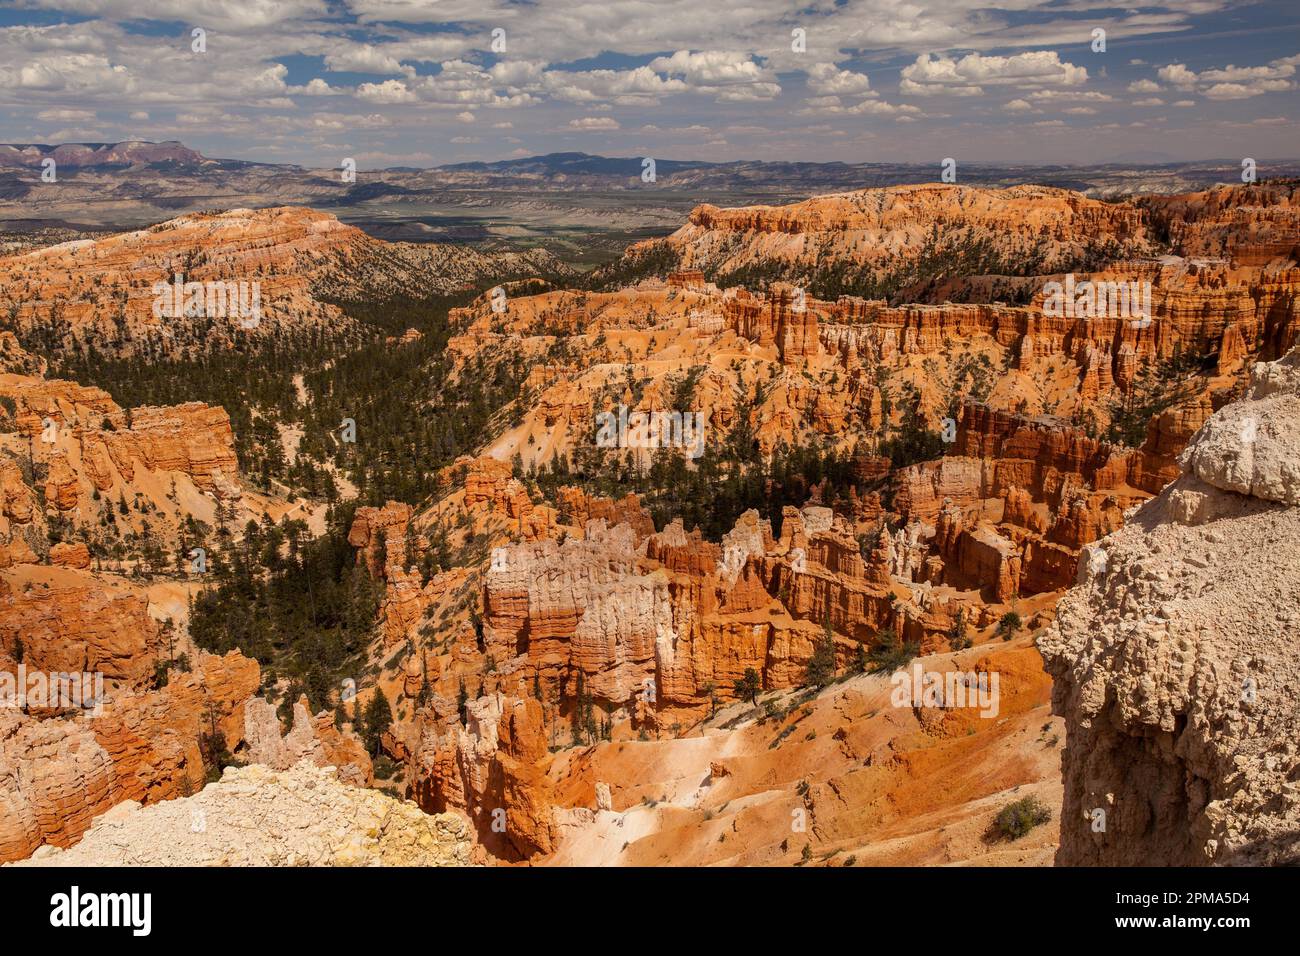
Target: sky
(429, 82)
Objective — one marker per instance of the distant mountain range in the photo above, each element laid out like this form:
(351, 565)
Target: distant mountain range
(579, 205)
(98, 155)
(575, 169)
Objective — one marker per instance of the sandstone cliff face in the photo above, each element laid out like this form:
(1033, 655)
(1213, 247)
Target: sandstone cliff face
(885, 228)
(380, 533)
(56, 775)
(1020, 496)
(311, 738)
(85, 482)
(81, 628)
(21, 526)
(1249, 224)
(645, 622)
(63, 420)
(490, 770)
(841, 371)
(293, 258)
(1174, 658)
(581, 605)
(255, 816)
(192, 439)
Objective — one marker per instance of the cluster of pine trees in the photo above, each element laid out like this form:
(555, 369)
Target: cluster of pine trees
(301, 606)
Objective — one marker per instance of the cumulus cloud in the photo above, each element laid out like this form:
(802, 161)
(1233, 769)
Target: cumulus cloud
(1241, 91)
(829, 80)
(1233, 82)
(730, 75)
(362, 58)
(387, 92)
(315, 87)
(941, 75)
(832, 105)
(593, 86)
(1178, 75)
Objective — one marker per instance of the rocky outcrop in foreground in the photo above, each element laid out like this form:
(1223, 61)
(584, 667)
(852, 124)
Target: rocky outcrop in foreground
(57, 775)
(256, 816)
(1175, 660)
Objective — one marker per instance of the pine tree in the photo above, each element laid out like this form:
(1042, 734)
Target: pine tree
(426, 693)
(958, 639)
(747, 687)
(821, 666)
(379, 717)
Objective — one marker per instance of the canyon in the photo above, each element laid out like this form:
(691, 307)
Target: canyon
(593, 657)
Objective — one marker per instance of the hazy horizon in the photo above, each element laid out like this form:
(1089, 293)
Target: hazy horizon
(1136, 162)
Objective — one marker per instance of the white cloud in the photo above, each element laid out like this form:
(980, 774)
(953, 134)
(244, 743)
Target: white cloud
(593, 86)
(594, 123)
(1095, 96)
(362, 58)
(832, 105)
(1241, 91)
(942, 75)
(829, 80)
(316, 87)
(731, 75)
(1177, 74)
(387, 92)
(228, 15)
(1233, 82)
(66, 116)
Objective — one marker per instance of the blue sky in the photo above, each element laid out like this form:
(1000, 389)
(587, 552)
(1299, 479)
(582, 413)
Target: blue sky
(421, 82)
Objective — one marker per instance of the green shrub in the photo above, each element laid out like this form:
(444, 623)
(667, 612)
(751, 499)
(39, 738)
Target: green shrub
(1017, 819)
